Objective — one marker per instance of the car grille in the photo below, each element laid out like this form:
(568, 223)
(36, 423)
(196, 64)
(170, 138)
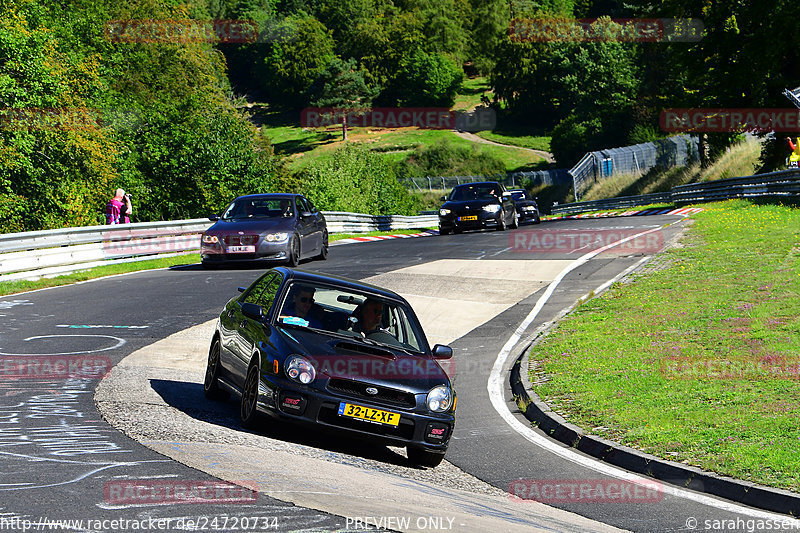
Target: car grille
(358, 389)
(237, 240)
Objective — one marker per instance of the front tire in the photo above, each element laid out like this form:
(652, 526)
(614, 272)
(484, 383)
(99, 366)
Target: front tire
(323, 253)
(211, 388)
(423, 457)
(501, 222)
(294, 252)
(515, 221)
(444, 231)
(248, 412)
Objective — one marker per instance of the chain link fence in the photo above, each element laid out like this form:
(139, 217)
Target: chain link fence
(513, 180)
(637, 159)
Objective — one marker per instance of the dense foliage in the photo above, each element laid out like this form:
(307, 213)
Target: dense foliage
(83, 115)
(160, 120)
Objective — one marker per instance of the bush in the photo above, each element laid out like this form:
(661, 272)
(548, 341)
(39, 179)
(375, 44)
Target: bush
(444, 159)
(358, 181)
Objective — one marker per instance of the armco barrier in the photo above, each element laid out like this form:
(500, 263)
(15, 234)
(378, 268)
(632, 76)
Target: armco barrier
(784, 184)
(37, 254)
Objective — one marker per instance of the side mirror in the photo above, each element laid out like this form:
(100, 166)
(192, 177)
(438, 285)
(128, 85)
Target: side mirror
(252, 311)
(213, 218)
(443, 198)
(440, 351)
(241, 289)
(306, 214)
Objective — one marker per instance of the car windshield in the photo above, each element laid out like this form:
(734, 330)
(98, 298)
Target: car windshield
(474, 192)
(518, 195)
(362, 316)
(259, 208)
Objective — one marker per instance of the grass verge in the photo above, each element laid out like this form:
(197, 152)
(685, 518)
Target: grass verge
(698, 359)
(14, 287)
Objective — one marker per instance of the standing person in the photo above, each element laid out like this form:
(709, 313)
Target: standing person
(118, 212)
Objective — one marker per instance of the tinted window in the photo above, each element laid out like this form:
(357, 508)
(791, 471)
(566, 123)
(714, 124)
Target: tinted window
(302, 204)
(311, 206)
(518, 195)
(259, 208)
(253, 294)
(476, 192)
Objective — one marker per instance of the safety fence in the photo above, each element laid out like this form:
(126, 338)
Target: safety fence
(47, 253)
(636, 159)
(674, 151)
(784, 184)
(511, 180)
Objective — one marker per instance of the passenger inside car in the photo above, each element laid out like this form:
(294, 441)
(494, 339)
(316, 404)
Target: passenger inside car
(300, 304)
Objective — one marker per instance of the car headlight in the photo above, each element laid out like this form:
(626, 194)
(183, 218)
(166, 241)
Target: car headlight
(529, 208)
(300, 369)
(439, 399)
(493, 208)
(210, 239)
(444, 212)
(276, 237)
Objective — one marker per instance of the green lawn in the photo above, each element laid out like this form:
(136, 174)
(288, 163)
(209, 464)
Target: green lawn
(469, 95)
(535, 142)
(698, 359)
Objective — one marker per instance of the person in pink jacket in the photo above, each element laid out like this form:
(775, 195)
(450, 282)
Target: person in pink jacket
(118, 212)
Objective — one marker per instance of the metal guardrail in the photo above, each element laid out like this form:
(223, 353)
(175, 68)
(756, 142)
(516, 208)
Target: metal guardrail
(47, 253)
(781, 184)
(612, 203)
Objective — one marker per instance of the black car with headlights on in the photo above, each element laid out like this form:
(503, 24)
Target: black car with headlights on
(477, 205)
(337, 354)
(527, 208)
(266, 227)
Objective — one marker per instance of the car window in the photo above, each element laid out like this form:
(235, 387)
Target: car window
(302, 205)
(253, 294)
(476, 192)
(518, 195)
(311, 206)
(259, 208)
(267, 296)
(330, 308)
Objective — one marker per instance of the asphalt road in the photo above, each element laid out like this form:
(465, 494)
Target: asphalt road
(60, 460)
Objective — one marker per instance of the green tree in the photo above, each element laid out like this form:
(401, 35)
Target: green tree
(341, 85)
(296, 59)
(425, 80)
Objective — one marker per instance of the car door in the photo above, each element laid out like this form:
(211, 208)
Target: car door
(309, 237)
(508, 204)
(319, 221)
(245, 328)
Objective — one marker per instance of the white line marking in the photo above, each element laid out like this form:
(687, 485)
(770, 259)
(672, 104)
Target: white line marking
(120, 342)
(495, 386)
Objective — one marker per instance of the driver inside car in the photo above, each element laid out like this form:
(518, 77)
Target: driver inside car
(369, 315)
(301, 305)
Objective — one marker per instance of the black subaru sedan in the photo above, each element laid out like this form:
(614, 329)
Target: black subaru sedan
(337, 354)
(266, 227)
(477, 205)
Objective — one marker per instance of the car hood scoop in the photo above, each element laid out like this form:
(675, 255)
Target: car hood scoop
(364, 348)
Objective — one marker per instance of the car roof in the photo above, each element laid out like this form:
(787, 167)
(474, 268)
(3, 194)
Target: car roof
(261, 196)
(477, 183)
(303, 275)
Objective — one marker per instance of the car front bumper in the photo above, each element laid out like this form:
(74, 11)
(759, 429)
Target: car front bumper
(483, 219)
(264, 251)
(317, 407)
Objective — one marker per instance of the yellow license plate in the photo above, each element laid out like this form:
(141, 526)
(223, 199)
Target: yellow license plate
(369, 414)
(471, 217)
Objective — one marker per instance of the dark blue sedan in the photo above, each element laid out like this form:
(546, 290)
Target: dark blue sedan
(266, 227)
(337, 354)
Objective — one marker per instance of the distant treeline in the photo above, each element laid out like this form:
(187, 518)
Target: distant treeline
(84, 109)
